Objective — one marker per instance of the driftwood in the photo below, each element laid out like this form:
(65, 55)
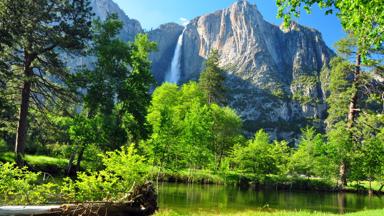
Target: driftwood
(142, 202)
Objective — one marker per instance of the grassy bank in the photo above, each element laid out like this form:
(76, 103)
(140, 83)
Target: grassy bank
(244, 180)
(264, 182)
(39, 163)
(266, 213)
(57, 166)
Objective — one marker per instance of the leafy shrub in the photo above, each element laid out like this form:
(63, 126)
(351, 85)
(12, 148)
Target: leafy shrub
(124, 169)
(20, 186)
(260, 157)
(92, 158)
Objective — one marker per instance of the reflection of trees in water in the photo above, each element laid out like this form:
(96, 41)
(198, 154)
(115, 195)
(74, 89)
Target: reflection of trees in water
(221, 199)
(342, 202)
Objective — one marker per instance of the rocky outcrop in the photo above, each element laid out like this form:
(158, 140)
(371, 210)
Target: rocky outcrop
(131, 27)
(273, 74)
(101, 9)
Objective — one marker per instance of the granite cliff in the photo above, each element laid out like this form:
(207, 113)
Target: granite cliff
(131, 27)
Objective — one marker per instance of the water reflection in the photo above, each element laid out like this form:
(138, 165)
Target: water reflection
(191, 197)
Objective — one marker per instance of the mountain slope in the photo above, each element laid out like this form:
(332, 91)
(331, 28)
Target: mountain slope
(273, 75)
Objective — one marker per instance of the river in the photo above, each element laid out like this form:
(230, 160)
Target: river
(218, 198)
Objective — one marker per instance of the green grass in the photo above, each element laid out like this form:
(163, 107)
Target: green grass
(41, 163)
(364, 185)
(243, 179)
(190, 176)
(266, 213)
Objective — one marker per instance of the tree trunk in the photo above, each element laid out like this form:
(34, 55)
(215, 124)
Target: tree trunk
(352, 115)
(79, 158)
(343, 174)
(353, 110)
(370, 191)
(341, 201)
(21, 134)
(70, 164)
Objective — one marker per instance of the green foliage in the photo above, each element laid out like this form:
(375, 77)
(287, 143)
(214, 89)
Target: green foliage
(187, 131)
(118, 88)
(279, 93)
(181, 127)
(3, 146)
(339, 141)
(20, 186)
(124, 169)
(340, 89)
(260, 157)
(226, 129)
(367, 161)
(37, 33)
(212, 80)
(353, 97)
(92, 158)
(311, 157)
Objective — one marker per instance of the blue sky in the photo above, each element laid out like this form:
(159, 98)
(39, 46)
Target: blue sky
(152, 13)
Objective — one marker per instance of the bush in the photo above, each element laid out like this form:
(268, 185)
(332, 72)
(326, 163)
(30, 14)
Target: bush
(20, 186)
(92, 158)
(124, 170)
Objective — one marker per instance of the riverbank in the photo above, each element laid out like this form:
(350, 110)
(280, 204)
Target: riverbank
(265, 182)
(56, 168)
(166, 212)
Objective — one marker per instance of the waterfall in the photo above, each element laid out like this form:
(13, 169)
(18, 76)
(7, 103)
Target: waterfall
(173, 75)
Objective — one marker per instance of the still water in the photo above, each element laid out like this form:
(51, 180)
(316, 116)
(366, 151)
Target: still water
(218, 198)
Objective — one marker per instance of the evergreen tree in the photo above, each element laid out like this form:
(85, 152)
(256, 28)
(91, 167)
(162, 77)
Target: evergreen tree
(350, 87)
(36, 31)
(212, 79)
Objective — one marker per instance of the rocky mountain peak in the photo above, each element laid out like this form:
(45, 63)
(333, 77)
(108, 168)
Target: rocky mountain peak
(244, 6)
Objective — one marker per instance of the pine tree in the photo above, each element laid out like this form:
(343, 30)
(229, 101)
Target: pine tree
(37, 31)
(349, 88)
(212, 79)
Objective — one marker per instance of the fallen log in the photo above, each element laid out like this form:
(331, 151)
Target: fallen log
(142, 202)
